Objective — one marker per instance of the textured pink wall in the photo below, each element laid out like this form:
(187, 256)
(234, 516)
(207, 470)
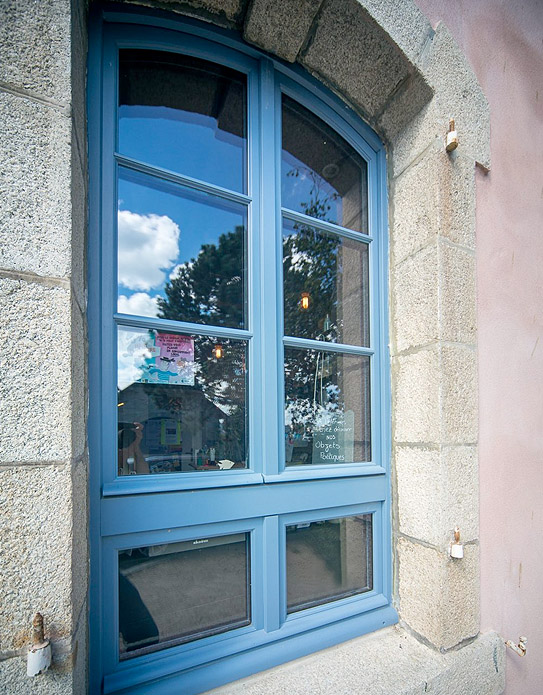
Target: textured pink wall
(503, 40)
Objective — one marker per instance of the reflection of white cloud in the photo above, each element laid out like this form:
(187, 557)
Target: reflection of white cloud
(140, 303)
(133, 349)
(148, 246)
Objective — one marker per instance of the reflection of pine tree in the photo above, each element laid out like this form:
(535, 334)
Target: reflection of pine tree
(209, 289)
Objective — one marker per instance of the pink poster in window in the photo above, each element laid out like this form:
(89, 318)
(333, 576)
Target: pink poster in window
(171, 360)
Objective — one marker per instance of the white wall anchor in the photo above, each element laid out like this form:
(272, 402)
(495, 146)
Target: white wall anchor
(39, 654)
(456, 549)
(519, 648)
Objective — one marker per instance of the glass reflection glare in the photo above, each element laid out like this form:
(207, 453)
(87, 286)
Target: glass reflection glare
(180, 408)
(181, 253)
(321, 174)
(179, 592)
(325, 285)
(328, 560)
(184, 114)
(327, 408)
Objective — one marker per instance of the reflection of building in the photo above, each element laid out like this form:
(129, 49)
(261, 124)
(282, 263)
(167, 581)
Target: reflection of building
(178, 422)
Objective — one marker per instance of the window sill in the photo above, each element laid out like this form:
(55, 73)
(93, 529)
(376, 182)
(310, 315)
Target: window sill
(384, 662)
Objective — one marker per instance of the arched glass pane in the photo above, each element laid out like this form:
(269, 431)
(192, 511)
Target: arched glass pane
(184, 114)
(321, 174)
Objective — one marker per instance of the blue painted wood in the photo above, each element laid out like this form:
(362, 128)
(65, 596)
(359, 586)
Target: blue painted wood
(329, 227)
(142, 510)
(182, 180)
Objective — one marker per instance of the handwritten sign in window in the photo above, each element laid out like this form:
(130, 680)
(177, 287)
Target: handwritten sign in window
(334, 442)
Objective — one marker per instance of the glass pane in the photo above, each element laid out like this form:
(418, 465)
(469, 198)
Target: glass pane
(327, 408)
(181, 253)
(321, 174)
(328, 560)
(185, 115)
(326, 285)
(181, 402)
(178, 592)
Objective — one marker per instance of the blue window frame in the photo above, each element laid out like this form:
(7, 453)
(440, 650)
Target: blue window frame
(258, 433)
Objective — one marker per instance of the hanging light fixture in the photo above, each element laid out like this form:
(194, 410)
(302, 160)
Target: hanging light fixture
(218, 351)
(305, 300)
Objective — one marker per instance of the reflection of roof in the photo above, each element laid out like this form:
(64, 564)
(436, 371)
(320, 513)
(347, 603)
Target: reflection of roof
(163, 401)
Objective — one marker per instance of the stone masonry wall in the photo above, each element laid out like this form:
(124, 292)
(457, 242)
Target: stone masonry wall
(43, 456)
(406, 79)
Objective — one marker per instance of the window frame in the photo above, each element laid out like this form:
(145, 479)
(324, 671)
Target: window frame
(359, 488)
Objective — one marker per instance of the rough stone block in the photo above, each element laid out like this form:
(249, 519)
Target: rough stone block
(458, 95)
(351, 52)
(406, 25)
(434, 196)
(35, 41)
(456, 176)
(406, 103)
(414, 290)
(421, 136)
(386, 662)
(36, 531)
(439, 596)
(457, 297)
(437, 490)
(79, 381)
(415, 210)
(79, 655)
(419, 486)
(35, 206)
(280, 28)
(80, 548)
(477, 669)
(459, 394)
(79, 232)
(35, 372)
(79, 80)
(416, 397)
(15, 681)
(461, 503)
(225, 12)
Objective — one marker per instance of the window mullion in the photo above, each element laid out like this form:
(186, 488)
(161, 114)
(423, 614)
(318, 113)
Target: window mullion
(269, 300)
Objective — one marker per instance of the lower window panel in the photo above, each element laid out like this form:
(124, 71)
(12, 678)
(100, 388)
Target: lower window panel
(179, 592)
(328, 560)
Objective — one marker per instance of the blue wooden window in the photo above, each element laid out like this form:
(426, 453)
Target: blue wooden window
(239, 427)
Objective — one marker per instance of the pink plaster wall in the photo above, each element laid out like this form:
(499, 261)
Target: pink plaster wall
(503, 40)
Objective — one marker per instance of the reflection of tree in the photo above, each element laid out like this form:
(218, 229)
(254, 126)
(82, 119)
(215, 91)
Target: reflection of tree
(311, 264)
(209, 289)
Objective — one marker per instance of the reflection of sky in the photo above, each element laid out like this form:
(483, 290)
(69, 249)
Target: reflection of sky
(184, 142)
(162, 226)
(297, 192)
